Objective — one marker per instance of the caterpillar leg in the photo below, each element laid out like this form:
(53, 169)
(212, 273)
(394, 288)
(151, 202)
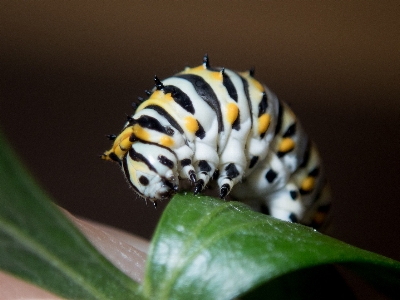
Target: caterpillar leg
(205, 161)
(231, 174)
(317, 216)
(204, 170)
(314, 190)
(187, 170)
(295, 203)
(286, 203)
(232, 165)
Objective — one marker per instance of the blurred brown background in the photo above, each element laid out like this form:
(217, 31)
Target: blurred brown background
(70, 70)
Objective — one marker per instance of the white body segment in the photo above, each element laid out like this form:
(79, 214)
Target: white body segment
(208, 124)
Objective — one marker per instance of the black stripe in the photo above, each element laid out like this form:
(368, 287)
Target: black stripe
(281, 154)
(246, 92)
(139, 157)
(231, 171)
(159, 145)
(306, 156)
(114, 157)
(318, 192)
(236, 123)
(263, 134)
(227, 82)
(290, 131)
(304, 192)
(262, 107)
(200, 133)
(166, 115)
(180, 97)
(279, 118)
(204, 166)
(205, 91)
(324, 208)
(271, 175)
(153, 124)
(314, 172)
(165, 161)
(293, 194)
(185, 162)
(253, 161)
(293, 218)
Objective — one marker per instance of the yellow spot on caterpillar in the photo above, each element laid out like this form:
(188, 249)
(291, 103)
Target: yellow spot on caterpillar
(158, 98)
(256, 83)
(122, 140)
(232, 112)
(263, 123)
(308, 184)
(217, 76)
(137, 166)
(168, 97)
(191, 124)
(120, 153)
(287, 144)
(132, 172)
(196, 69)
(319, 217)
(252, 81)
(125, 144)
(159, 95)
(141, 133)
(166, 141)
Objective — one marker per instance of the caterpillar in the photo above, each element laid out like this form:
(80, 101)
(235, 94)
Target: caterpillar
(210, 126)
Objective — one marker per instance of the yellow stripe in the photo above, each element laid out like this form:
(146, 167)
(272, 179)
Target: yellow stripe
(191, 124)
(232, 112)
(125, 144)
(319, 217)
(138, 166)
(287, 144)
(159, 99)
(256, 84)
(119, 153)
(263, 123)
(308, 184)
(217, 76)
(166, 141)
(123, 140)
(141, 133)
(196, 69)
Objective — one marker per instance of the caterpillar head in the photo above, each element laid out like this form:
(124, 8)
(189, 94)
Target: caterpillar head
(151, 170)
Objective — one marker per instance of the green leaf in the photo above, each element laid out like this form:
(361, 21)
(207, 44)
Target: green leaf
(205, 248)
(39, 244)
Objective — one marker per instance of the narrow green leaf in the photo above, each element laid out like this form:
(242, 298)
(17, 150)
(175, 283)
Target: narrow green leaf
(205, 248)
(39, 244)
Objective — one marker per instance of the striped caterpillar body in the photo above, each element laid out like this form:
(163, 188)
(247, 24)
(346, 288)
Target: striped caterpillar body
(206, 125)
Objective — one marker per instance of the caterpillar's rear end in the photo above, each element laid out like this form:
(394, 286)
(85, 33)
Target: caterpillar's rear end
(213, 124)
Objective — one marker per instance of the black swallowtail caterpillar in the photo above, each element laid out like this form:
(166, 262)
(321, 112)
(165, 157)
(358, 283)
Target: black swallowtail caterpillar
(212, 124)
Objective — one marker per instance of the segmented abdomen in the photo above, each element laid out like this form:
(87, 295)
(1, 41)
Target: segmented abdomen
(226, 125)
